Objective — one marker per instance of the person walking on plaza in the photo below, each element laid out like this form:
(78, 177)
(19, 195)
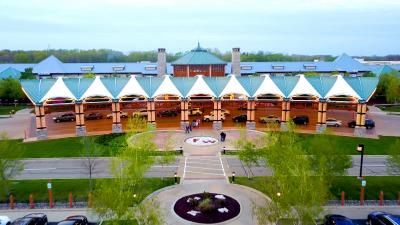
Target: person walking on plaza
(223, 136)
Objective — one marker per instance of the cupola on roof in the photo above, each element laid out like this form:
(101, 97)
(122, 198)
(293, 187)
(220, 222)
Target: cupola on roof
(199, 56)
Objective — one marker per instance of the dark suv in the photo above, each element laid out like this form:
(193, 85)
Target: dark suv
(382, 218)
(337, 220)
(94, 116)
(301, 120)
(32, 219)
(74, 220)
(167, 113)
(64, 118)
(369, 124)
(240, 118)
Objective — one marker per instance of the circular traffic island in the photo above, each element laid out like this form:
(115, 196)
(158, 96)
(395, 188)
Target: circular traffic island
(201, 141)
(207, 208)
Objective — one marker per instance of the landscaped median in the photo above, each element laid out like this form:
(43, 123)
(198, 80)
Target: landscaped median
(390, 185)
(62, 188)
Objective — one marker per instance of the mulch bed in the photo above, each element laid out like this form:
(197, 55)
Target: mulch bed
(181, 208)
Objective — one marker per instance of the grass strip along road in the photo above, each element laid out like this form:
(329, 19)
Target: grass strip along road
(112, 143)
(62, 187)
(390, 185)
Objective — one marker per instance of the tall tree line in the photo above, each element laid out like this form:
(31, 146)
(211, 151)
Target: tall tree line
(109, 55)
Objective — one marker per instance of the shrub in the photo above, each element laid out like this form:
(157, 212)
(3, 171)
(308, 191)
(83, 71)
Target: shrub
(206, 195)
(206, 205)
(220, 203)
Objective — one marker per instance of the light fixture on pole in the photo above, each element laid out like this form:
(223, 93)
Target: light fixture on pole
(233, 177)
(360, 148)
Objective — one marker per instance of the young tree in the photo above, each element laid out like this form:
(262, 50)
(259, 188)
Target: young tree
(295, 190)
(10, 89)
(326, 158)
(119, 199)
(10, 166)
(394, 158)
(168, 156)
(89, 154)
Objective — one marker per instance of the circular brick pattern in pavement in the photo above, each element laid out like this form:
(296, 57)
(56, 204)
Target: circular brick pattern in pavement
(201, 141)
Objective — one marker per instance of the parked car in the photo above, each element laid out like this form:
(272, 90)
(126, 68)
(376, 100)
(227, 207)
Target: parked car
(94, 116)
(225, 112)
(32, 219)
(5, 220)
(369, 124)
(122, 115)
(240, 118)
(140, 113)
(332, 122)
(269, 119)
(74, 220)
(210, 117)
(243, 107)
(382, 218)
(301, 120)
(337, 220)
(195, 112)
(66, 117)
(167, 113)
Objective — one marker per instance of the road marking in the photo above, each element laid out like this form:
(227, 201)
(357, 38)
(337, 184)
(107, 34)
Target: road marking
(223, 170)
(216, 174)
(184, 169)
(195, 167)
(41, 169)
(203, 163)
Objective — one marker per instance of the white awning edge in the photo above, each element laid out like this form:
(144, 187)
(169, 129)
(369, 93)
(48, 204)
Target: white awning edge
(96, 88)
(233, 87)
(268, 86)
(167, 88)
(132, 87)
(341, 87)
(200, 87)
(58, 90)
(303, 87)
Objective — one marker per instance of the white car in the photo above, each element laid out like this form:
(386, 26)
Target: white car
(332, 122)
(122, 115)
(210, 117)
(225, 112)
(140, 113)
(195, 112)
(5, 220)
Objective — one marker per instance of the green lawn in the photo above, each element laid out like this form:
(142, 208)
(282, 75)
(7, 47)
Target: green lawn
(390, 185)
(390, 108)
(62, 188)
(112, 143)
(71, 147)
(5, 110)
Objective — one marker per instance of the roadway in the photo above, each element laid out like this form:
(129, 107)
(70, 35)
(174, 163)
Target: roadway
(69, 168)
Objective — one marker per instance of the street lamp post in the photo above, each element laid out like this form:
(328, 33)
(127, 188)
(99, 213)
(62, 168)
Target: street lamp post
(233, 177)
(360, 148)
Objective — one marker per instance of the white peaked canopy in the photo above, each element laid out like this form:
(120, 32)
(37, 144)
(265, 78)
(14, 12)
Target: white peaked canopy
(268, 86)
(200, 87)
(341, 87)
(97, 88)
(167, 88)
(303, 87)
(132, 88)
(58, 90)
(233, 87)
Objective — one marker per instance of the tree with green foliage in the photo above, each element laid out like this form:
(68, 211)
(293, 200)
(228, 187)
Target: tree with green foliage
(10, 89)
(249, 154)
(389, 86)
(369, 74)
(89, 75)
(311, 74)
(91, 150)
(28, 74)
(297, 191)
(120, 199)
(326, 157)
(394, 157)
(10, 166)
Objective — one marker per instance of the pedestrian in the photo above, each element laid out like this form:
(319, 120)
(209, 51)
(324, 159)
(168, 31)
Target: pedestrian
(198, 121)
(223, 136)
(187, 128)
(194, 123)
(190, 128)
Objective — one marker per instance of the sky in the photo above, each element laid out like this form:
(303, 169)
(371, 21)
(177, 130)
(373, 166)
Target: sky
(356, 27)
